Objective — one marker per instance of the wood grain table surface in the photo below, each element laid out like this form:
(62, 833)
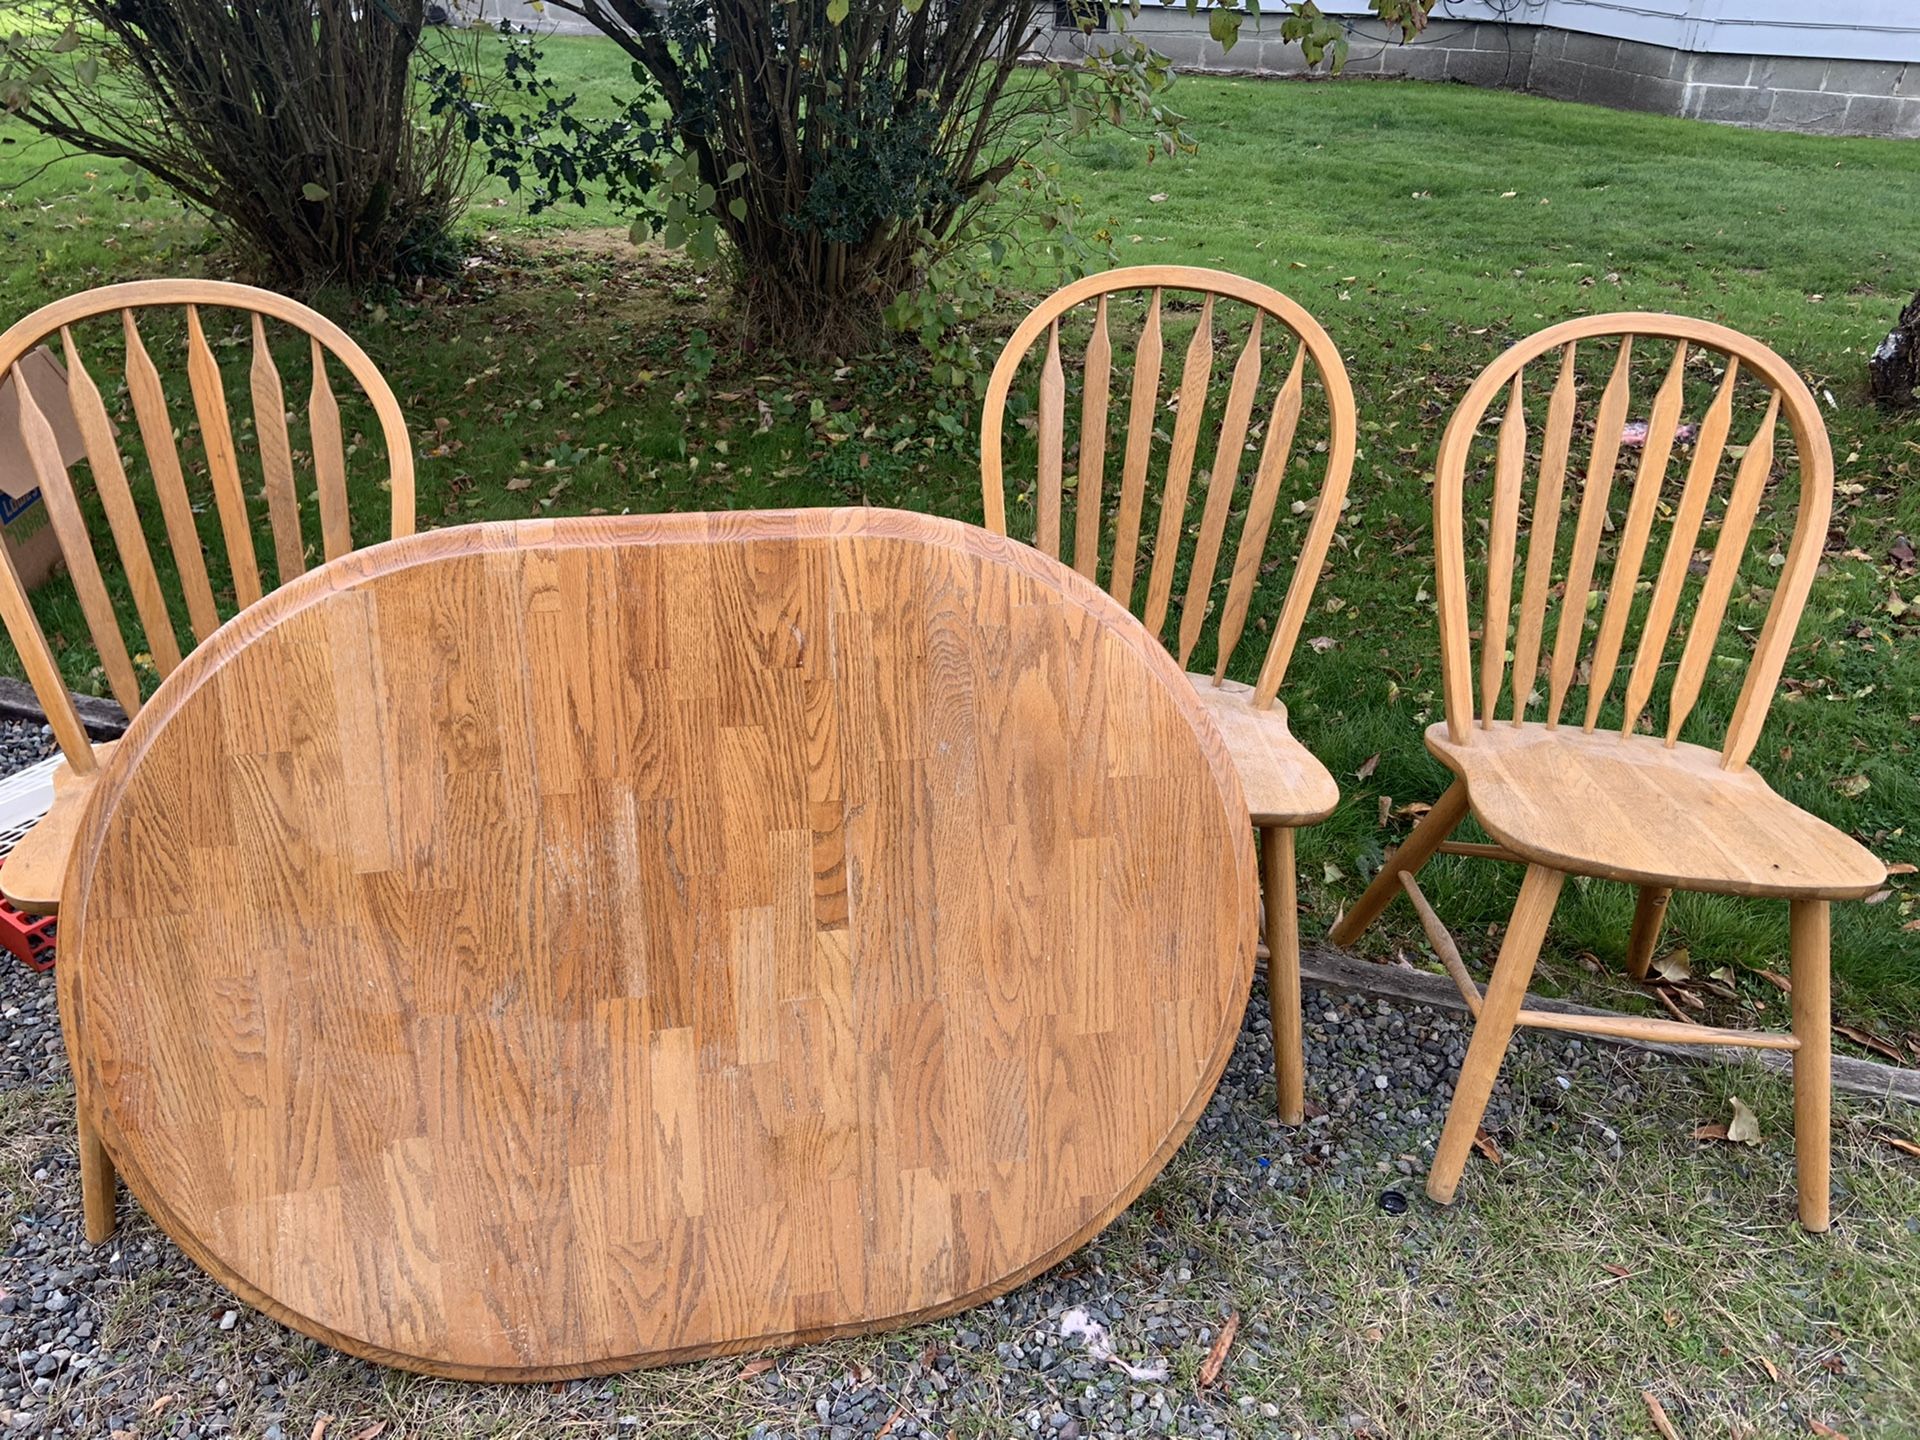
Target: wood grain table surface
(535, 950)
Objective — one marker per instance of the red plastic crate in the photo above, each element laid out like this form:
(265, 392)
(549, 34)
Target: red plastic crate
(29, 937)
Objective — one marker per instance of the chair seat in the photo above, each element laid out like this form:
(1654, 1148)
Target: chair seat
(1632, 808)
(1284, 783)
(35, 868)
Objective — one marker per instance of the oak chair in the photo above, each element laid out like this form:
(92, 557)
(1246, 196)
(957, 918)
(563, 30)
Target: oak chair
(33, 873)
(1626, 799)
(1286, 786)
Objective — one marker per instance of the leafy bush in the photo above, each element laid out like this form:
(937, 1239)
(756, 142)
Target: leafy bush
(293, 124)
(843, 148)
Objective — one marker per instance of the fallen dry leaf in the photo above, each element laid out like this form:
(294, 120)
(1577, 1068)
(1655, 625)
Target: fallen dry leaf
(1619, 1272)
(373, 1431)
(1367, 767)
(899, 1414)
(1675, 967)
(1902, 1144)
(1773, 1372)
(1853, 786)
(1483, 1142)
(1658, 1413)
(1217, 1352)
(320, 1423)
(1744, 1128)
(1820, 1429)
(1867, 1040)
(1904, 867)
(1777, 980)
(1710, 1132)
(759, 1365)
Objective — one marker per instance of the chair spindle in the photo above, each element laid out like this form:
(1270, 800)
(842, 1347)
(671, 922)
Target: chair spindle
(1093, 447)
(1647, 484)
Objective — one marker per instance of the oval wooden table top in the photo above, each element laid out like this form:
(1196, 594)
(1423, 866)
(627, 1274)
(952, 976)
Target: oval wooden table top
(535, 950)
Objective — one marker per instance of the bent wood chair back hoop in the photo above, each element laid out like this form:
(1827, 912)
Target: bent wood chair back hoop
(1173, 293)
(1676, 487)
(324, 465)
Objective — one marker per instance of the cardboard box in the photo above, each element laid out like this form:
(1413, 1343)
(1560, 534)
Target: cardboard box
(25, 527)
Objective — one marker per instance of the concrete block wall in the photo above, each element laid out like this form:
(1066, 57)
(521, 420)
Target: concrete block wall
(1827, 97)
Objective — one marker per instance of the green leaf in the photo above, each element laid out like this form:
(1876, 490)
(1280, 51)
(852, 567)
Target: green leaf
(1224, 26)
(313, 192)
(737, 208)
(837, 11)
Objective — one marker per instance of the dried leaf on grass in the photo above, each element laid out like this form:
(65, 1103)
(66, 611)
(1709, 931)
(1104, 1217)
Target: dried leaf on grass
(1217, 1352)
(1658, 1414)
(1820, 1429)
(320, 1424)
(1902, 1144)
(1742, 1129)
(759, 1365)
(1773, 1371)
(1867, 1040)
(1483, 1142)
(1676, 967)
(373, 1431)
(1777, 980)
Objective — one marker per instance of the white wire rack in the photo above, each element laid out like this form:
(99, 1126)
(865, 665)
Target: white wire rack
(25, 796)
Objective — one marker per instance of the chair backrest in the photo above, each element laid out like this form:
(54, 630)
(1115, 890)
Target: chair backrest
(1329, 395)
(1752, 389)
(147, 397)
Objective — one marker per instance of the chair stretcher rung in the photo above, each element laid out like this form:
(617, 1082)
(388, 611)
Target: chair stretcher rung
(1442, 943)
(1624, 1027)
(1645, 1027)
(1481, 852)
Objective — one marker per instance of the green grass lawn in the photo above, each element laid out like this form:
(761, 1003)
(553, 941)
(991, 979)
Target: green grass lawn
(1428, 226)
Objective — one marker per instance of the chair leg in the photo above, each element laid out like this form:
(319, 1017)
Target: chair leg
(1649, 913)
(1813, 1061)
(1278, 887)
(1494, 1029)
(96, 1182)
(1434, 827)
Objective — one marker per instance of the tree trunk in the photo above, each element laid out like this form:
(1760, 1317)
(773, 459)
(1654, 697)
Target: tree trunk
(1894, 369)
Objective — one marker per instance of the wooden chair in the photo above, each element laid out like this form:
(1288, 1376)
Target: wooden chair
(1617, 801)
(1286, 786)
(32, 875)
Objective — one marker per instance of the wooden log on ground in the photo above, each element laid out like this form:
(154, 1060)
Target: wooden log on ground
(1336, 970)
(103, 718)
